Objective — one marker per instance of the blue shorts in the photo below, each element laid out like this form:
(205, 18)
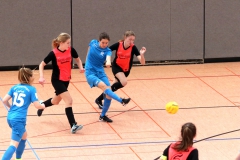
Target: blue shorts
(18, 129)
(93, 78)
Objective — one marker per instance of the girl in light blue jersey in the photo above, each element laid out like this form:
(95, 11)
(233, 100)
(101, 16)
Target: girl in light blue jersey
(22, 95)
(98, 53)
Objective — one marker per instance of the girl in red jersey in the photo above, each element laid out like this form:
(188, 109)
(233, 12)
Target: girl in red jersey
(183, 149)
(61, 57)
(123, 61)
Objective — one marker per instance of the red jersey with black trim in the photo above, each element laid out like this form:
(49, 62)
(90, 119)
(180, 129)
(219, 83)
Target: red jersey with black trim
(64, 61)
(124, 61)
(123, 56)
(178, 155)
(61, 63)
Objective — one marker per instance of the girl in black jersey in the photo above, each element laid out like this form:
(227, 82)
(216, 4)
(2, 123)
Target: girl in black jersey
(183, 149)
(122, 63)
(61, 57)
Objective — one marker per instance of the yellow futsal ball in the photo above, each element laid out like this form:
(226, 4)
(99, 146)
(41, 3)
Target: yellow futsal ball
(172, 107)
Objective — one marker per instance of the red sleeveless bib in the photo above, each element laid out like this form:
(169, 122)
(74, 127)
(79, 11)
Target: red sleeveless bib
(175, 155)
(123, 56)
(64, 62)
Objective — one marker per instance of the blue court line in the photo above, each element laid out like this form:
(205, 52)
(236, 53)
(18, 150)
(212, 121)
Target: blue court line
(31, 148)
(122, 144)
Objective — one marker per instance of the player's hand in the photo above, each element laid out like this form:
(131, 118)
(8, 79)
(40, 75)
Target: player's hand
(143, 50)
(41, 81)
(108, 65)
(82, 70)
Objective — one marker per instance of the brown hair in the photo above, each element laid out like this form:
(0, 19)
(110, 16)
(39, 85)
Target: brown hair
(104, 35)
(63, 37)
(127, 34)
(24, 75)
(188, 132)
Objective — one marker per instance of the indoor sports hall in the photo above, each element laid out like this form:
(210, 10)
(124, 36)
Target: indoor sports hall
(207, 95)
(192, 58)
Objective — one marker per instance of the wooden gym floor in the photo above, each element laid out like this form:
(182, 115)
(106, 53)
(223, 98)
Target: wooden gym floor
(208, 95)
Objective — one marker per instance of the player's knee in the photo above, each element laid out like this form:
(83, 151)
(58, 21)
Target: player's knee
(55, 102)
(14, 143)
(24, 137)
(103, 87)
(108, 97)
(124, 83)
(69, 101)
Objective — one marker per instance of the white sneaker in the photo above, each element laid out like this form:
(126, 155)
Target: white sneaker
(75, 128)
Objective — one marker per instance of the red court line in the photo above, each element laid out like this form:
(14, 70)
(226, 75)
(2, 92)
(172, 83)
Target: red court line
(142, 79)
(68, 129)
(211, 87)
(199, 77)
(95, 109)
(146, 113)
(135, 152)
(232, 72)
(236, 75)
(85, 124)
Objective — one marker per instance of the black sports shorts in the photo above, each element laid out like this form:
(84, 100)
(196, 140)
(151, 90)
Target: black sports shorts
(116, 69)
(60, 86)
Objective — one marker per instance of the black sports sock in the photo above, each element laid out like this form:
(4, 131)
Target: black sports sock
(48, 102)
(101, 97)
(116, 86)
(70, 116)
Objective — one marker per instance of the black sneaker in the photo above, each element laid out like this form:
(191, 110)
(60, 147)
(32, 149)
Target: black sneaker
(99, 103)
(125, 101)
(105, 118)
(39, 112)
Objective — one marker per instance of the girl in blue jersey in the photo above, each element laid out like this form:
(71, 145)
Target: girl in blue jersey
(123, 61)
(98, 53)
(22, 96)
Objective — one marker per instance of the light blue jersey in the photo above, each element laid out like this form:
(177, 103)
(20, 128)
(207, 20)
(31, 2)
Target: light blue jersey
(96, 56)
(22, 96)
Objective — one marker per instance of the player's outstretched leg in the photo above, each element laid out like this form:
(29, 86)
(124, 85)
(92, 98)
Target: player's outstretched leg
(125, 101)
(113, 95)
(47, 103)
(114, 88)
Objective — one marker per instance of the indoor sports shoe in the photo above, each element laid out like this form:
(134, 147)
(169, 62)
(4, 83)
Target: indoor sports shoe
(125, 101)
(99, 103)
(39, 112)
(75, 128)
(105, 119)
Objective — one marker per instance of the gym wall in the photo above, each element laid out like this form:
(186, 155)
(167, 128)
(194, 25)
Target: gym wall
(171, 30)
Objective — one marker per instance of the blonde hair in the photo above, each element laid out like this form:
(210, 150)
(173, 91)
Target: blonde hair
(63, 37)
(127, 34)
(24, 75)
